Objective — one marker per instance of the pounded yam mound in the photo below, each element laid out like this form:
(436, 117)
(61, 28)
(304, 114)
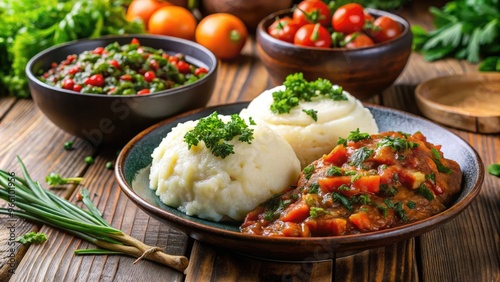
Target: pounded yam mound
(199, 183)
(311, 139)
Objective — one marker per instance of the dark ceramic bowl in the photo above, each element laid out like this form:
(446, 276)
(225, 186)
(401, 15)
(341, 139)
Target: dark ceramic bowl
(363, 72)
(106, 119)
(134, 160)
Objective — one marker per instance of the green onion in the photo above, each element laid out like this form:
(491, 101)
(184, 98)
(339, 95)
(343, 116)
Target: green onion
(41, 206)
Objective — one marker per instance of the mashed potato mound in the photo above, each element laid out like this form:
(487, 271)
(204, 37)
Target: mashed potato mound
(199, 183)
(311, 139)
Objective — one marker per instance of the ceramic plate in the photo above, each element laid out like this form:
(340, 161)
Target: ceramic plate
(135, 158)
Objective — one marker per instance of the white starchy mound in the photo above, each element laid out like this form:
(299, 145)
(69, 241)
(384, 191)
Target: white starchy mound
(311, 139)
(199, 183)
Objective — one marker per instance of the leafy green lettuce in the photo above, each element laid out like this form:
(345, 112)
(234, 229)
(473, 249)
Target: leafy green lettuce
(29, 27)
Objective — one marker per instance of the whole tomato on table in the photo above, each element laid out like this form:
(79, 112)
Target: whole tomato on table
(223, 34)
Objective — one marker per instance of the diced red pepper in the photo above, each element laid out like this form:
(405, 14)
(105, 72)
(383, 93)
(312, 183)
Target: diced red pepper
(126, 77)
(98, 50)
(115, 64)
(361, 220)
(154, 64)
(296, 212)
(199, 71)
(95, 80)
(173, 59)
(74, 69)
(330, 184)
(135, 41)
(183, 67)
(68, 84)
(143, 92)
(368, 183)
(149, 76)
(338, 156)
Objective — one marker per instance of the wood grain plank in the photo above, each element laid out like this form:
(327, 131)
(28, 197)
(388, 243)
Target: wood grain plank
(55, 261)
(5, 104)
(26, 132)
(214, 264)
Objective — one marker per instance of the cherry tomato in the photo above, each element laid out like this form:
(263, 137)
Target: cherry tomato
(135, 41)
(144, 91)
(312, 11)
(126, 77)
(223, 34)
(313, 35)
(95, 80)
(149, 76)
(385, 29)
(358, 40)
(98, 50)
(284, 29)
(349, 18)
(68, 84)
(173, 21)
(74, 69)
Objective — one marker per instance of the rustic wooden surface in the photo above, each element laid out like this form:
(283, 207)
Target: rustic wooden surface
(465, 249)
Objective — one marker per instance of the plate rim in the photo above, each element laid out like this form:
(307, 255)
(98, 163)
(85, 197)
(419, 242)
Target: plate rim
(192, 228)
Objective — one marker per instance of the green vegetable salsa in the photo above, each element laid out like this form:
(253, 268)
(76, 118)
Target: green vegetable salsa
(129, 69)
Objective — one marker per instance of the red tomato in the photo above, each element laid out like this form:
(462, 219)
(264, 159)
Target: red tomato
(358, 40)
(312, 11)
(95, 80)
(313, 35)
(68, 84)
(98, 50)
(183, 67)
(149, 76)
(200, 71)
(349, 18)
(385, 29)
(115, 64)
(284, 29)
(77, 87)
(126, 76)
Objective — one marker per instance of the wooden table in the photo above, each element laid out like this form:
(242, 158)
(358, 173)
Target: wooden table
(465, 249)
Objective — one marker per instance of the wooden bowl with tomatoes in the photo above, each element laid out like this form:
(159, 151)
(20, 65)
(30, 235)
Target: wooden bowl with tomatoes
(103, 109)
(362, 50)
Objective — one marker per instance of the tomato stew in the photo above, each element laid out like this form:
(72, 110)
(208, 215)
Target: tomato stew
(367, 183)
(130, 69)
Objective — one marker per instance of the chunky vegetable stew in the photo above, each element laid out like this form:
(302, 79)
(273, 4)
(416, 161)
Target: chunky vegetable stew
(130, 69)
(367, 183)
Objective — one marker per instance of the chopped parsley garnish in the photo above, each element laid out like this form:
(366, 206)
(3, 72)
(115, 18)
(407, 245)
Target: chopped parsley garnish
(400, 211)
(431, 177)
(315, 212)
(343, 200)
(308, 171)
(215, 133)
(396, 143)
(313, 188)
(334, 171)
(425, 192)
(383, 210)
(312, 113)
(274, 206)
(32, 238)
(356, 176)
(437, 160)
(354, 136)
(359, 156)
(343, 187)
(365, 199)
(350, 172)
(298, 89)
(411, 205)
(388, 190)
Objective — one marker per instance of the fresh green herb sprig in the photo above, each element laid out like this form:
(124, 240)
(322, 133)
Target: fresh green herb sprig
(398, 144)
(298, 89)
(54, 179)
(437, 160)
(359, 156)
(39, 205)
(32, 238)
(354, 136)
(463, 29)
(215, 133)
(494, 169)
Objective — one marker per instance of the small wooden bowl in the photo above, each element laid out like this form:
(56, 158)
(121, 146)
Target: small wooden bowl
(469, 101)
(363, 72)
